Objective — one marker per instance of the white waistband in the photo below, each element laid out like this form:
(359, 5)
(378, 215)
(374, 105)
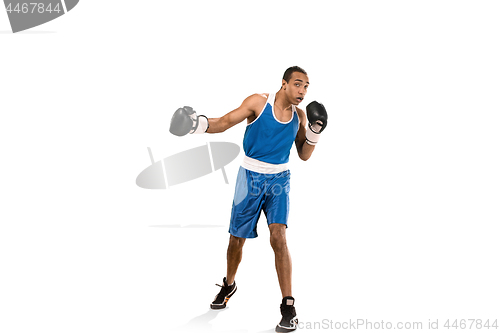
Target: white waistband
(262, 167)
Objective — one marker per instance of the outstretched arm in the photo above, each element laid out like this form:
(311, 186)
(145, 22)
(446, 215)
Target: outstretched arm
(247, 109)
(185, 120)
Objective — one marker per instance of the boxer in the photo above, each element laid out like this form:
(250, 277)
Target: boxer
(274, 123)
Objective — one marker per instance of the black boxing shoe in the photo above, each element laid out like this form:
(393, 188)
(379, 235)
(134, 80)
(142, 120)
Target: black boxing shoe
(289, 319)
(223, 296)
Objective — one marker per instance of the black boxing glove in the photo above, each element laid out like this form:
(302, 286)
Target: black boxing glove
(317, 116)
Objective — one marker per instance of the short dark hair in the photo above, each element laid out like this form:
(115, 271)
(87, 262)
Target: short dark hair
(290, 71)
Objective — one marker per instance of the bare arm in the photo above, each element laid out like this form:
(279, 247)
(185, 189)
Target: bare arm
(247, 109)
(304, 149)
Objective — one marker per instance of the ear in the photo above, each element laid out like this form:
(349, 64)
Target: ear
(283, 84)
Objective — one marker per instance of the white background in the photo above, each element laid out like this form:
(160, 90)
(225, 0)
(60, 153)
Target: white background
(395, 217)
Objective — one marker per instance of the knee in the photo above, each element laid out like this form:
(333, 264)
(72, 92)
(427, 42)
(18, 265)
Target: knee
(278, 240)
(236, 243)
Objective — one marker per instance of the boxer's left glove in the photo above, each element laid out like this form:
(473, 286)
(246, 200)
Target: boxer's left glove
(317, 116)
(185, 120)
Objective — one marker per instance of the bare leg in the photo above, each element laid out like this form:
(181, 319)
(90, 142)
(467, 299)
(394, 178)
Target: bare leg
(234, 254)
(282, 257)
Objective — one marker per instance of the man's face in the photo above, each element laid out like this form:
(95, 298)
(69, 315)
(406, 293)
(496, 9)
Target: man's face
(296, 88)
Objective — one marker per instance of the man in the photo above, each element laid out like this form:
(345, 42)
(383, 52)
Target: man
(274, 123)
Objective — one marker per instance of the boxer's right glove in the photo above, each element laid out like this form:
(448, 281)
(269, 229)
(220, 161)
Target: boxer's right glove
(185, 120)
(317, 116)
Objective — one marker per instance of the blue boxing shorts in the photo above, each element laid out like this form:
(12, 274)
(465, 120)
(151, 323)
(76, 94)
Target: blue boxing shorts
(256, 192)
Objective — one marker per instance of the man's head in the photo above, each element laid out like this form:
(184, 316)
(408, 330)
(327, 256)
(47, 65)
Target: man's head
(295, 83)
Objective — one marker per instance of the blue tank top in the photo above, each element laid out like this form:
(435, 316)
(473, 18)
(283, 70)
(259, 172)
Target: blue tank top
(269, 140)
